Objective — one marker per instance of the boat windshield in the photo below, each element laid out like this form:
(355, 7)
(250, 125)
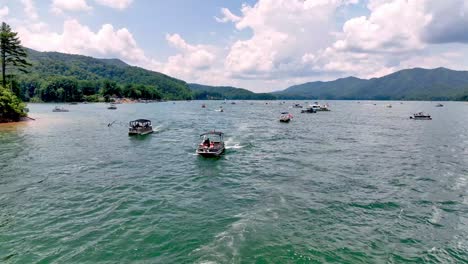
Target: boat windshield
(212, 137)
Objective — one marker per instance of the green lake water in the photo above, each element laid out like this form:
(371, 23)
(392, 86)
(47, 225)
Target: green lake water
(360, 184)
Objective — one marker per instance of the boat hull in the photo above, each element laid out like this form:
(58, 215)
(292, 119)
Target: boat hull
(421, 118)
(139, 133)
(210, 154)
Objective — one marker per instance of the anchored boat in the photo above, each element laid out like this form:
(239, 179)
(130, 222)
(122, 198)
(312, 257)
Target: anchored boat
(285, 117)
(317, 107)
(59, 109)
(212, 144)
(297, 106)
(112, 107)
(309, 110)
(421, 116)
(140, 127)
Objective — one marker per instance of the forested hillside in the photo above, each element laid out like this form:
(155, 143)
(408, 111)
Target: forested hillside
(63, 77)
(205, 92)
(410, 84)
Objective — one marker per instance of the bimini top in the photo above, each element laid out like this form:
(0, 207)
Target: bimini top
(213, 133)
(141, 121)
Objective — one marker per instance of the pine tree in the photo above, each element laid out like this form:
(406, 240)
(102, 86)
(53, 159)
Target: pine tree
(12, 54)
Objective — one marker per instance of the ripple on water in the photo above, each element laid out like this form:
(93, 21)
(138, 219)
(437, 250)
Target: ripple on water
(348, 186)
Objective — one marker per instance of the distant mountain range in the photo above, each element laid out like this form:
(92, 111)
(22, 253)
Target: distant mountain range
(410, 84)
(205, 92)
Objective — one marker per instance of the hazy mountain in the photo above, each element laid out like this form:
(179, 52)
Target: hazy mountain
(203, 92)
(410, 84)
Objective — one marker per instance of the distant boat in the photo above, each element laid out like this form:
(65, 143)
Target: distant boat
(212, 144)
(220, 109)
(203, 106)
(297, 106)
(112, 107)
(317, 107)
(421, 116)
(309, 110)
(73, 103)
(140, 127)
(60, 109)
(389, 106)
(233, 103)
(439, 105)
(285, 117)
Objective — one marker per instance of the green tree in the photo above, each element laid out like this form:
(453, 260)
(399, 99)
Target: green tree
(11, 108)
(110, 88)
(12, 54)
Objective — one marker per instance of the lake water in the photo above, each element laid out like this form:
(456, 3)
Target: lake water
(360, 184)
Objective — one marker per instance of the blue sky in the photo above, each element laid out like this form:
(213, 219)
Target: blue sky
(261, 45)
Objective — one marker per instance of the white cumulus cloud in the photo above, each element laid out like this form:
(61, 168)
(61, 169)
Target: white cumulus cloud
(228, 16)
(79, 39)
(30, 9)
(117, 4)
(4, 12)
(59, 6)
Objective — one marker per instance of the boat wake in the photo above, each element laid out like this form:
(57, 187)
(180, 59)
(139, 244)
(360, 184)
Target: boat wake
(230, 144)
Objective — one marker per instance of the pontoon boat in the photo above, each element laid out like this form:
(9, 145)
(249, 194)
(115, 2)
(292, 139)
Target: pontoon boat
(140, 127)
(212, 144)
(421, 116)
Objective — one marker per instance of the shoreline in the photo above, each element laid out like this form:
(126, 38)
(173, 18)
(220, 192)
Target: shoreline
(21, 120)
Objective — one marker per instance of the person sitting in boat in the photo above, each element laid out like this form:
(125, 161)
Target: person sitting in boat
(206, 143)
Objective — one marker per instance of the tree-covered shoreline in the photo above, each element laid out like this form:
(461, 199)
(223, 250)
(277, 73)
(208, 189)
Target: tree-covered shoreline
(13, 59)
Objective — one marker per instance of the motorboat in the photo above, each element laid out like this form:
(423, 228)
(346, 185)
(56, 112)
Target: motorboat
(309, 110)
(285, 117)
(317, 107)
(233, 103)
(297, 106)
(221, 109)
(439, 105)
(60, 109)
(389, 106)
(112, 107)
(324, 108)
(140, 127)
(421, 116)
(203, 106)
(212, 144)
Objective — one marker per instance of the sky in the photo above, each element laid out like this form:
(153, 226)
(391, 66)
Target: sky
(261, 45)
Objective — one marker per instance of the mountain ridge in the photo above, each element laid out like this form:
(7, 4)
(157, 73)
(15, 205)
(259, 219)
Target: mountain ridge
(408, 84)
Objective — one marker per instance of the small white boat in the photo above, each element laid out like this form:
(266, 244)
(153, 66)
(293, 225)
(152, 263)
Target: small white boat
(285, 117)
(112, 107)
(60, 109)
(317, 107)
(389, 106)
(140, 127)
(439, 105)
